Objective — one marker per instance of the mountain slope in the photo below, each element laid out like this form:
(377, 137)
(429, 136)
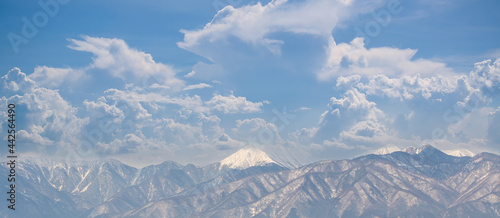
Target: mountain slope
(420, 183)
(416, 182)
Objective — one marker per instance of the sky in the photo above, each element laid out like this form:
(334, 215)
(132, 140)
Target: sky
(194, 81)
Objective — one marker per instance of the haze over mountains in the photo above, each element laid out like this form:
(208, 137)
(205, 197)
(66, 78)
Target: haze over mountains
(416, 182)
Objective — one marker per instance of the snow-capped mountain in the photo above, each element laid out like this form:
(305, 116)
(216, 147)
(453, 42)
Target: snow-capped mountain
(245, 158)
(459, 153)
(412, 150)
(416, 182)
(387, 150)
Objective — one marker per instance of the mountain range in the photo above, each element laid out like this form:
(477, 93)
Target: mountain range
(414, 182)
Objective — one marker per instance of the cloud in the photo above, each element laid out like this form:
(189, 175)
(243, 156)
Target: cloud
(16, 81)
(121, 61)
(448, 111)
(141, 122)
(218, 103)
(407, 87)
(353, 58)
(302, 109)
(348, 112)
(55, 77)
(47, 119)
(197, 86)
(232, 104)
(207, 72)
(190, 74)
(254, 23)
(257, 131)
(237, 37)
(120, 122)
(486, 76)
(55, 116)
(147, 121)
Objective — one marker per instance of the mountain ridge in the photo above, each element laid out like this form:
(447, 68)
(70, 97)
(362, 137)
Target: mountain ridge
(426, 183)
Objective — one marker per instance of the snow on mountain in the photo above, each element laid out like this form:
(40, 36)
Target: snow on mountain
(412, 150)
(423, 148)
(423, 182)
(245, 158)
(427, 183)
(459, 153)
(386, 150)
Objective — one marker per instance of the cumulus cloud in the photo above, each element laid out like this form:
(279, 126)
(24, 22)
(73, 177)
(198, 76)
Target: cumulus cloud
(55, 77)
(254, 23)
(351, 116)
(486, 76)
(55, 115)
(448, 111)
(257, 131)
(229, 104)
(131, 65)
(128, 114)
(16, 81)
(255, 32)
(120, 121)
(49, 119)
(354, 58)
(232, 104)
(407, 87)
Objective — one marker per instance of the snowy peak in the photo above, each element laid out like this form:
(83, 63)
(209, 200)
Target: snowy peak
(460, 153)
(386, 150)
(426, 149)
(423, 149)
(245, 158)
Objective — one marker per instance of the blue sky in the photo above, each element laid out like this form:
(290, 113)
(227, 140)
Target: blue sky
(194, 81)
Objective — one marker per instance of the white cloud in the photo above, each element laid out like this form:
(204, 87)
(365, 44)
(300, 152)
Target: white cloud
(197, 86)
(348, 81)
(206, 71)
(407, 87)
(257, 131)
(16, 81)
(190, 74)
(448, 111)
(253, 24)
(55, 77)
(35, 136)
(131, 65)
(100, 109)
(57, 118)
(128, 113)
(354, 58)
(232, 104)
(352, 113)
(302, 109)
(218, 103)
(486, 75)
(49, 119)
